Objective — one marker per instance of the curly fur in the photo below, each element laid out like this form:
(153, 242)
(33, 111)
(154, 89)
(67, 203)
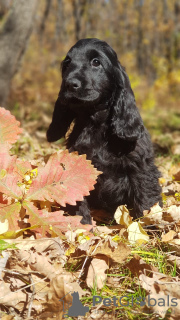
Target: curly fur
(97, 95)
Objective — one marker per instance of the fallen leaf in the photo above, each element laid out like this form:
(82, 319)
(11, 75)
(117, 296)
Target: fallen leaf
(162, 289)
(11, 299)
(162, 181)
(138, 266)
(173, 214)
(4, 226)
(96, 276)
(118, 252)
(88, 244)
(177, 175)
(154, 216)
(160, 303)
(70, 236)
(122, 216)
(171, 188)
(103, 231)
(38, 263)
(9, 127)
(174, 260)
(136, 233)
(169, 236)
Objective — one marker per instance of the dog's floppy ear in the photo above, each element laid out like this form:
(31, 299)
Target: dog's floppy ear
(126, 122)
(61, 120)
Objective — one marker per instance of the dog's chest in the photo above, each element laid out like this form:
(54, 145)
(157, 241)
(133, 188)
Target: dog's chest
(92, 141)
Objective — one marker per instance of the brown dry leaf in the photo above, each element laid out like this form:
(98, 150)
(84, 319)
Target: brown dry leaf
(71, 236)
(60, 291)
(90, 243)
(138, 266)
(149, 282)
(173, 214)
(162, 217)
(175, 246)
(177, 176)
(175, 149)
(175, 171)
(170, 201)
(154, 216)
(7, 317)
(118, 252)
(38, 263)
(171, 188)
(166, 284)
(11, 299)
(169, 236)
(103, 230)
(163, 304)
(173, 259)
(53, 246)
(160, 287)
(96, 276)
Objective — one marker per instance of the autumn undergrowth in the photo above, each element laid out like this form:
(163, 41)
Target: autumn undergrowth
(31, 193)
(126, 284)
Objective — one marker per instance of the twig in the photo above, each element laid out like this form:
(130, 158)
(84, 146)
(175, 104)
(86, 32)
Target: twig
(81, 272)
(32, 297)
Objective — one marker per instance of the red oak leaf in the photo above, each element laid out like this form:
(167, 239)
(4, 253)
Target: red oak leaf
(11, 213)
(9, 127)
(56, 221)
(9, 178)
(66, 178)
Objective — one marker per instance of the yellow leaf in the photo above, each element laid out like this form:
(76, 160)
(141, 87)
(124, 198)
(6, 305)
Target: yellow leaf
(116, 238)
(3, 173)
(136, 233)
(162, 181)
(122, 216)
(4, 226)
(34, 173)
(80, 231)
(70, 250)
(81, 238)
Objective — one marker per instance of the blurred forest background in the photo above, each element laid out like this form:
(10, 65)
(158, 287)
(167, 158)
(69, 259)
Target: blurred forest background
(144, 33)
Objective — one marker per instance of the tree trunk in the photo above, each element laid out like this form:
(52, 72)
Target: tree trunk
(177, 29)
(167, 36)
(4, 6)
(44, 18)
(140, 53)
(13, 40)
(60, 30)
(78, 10)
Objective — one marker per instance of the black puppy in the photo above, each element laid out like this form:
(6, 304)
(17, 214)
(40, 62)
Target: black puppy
(97, 95)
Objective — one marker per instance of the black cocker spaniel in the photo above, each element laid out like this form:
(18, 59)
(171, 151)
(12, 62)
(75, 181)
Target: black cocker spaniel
(97, 95)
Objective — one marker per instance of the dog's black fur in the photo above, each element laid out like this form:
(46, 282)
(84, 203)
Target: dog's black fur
(97, 95)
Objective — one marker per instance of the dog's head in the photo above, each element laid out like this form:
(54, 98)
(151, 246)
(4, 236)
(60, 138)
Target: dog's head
(88, 74)
(93, 79)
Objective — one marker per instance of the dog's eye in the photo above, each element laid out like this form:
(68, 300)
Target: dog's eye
(95, 62)
(66, 62)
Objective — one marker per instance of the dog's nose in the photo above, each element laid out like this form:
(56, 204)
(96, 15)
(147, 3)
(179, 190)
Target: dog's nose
(73, 84)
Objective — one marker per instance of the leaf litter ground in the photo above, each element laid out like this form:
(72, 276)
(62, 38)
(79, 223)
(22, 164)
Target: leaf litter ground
(46, 254)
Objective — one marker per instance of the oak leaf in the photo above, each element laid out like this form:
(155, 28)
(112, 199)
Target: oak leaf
(9, 127)
(66, 178)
